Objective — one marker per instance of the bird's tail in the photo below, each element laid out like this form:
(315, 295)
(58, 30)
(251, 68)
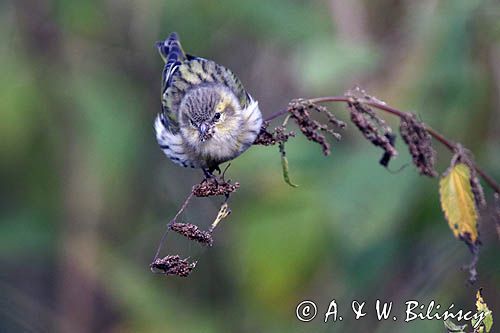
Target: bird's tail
(171, 49)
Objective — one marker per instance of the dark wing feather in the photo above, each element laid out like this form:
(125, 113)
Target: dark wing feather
(172, 54)
(210, 72)
(219, 74)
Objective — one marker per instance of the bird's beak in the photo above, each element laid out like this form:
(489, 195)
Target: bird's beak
(204, 130)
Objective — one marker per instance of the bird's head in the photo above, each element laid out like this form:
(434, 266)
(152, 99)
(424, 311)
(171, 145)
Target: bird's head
(208, 111)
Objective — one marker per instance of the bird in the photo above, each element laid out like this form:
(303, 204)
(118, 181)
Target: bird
(207, 117)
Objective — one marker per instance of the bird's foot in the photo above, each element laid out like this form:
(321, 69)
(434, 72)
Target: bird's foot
(217, 179)
(209, 176)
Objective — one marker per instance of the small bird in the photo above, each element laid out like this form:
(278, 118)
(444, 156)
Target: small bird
(207, 117)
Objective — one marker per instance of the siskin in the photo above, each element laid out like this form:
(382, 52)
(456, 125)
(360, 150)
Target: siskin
(207, 117)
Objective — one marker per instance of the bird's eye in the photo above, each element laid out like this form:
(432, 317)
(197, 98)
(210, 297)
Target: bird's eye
(216, 116)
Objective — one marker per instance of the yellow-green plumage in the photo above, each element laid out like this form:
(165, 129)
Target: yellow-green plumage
(207, 116)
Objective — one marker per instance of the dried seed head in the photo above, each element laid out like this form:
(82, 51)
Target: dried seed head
(282, 135)
(299, 110)
(266, 138)
(193, 232)
(172, 265)
(373, 128)
(212, 186)
(419, 144)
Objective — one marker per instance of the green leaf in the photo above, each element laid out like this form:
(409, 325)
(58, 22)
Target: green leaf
(482, 307)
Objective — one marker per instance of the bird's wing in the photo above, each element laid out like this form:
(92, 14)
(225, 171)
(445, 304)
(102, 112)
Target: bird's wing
(222, 75)
(227, 77)
(172, 54)
(196, 70)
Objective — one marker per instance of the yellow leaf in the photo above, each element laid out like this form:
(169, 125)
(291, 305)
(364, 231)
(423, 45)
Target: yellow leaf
(487, 321)
(457, 202)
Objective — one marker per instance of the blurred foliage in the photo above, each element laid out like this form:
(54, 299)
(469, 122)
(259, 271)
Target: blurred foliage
(86, 192)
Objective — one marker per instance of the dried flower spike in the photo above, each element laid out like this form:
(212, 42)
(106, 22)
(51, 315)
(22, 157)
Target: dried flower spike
(212, 186)
(172, 265)
(419, 144)
(373, 128)
(266, 138)
(192, 232)
(299, 110)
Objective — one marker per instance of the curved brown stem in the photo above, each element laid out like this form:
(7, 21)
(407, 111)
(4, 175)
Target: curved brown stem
(172, 221)
(276, 115)
(384, 107)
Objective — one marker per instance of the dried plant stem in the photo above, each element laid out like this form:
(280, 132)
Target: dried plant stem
(384, 107)
(172, 221)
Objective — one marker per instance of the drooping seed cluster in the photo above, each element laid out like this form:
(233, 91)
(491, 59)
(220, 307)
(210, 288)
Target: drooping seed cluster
(373, 128)
(300, 111)
(173, 265)
(212, 187)
(192, 232)
(265, 138)
(419, 143)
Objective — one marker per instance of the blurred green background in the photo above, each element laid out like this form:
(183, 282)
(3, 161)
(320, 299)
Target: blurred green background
(86, 192)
